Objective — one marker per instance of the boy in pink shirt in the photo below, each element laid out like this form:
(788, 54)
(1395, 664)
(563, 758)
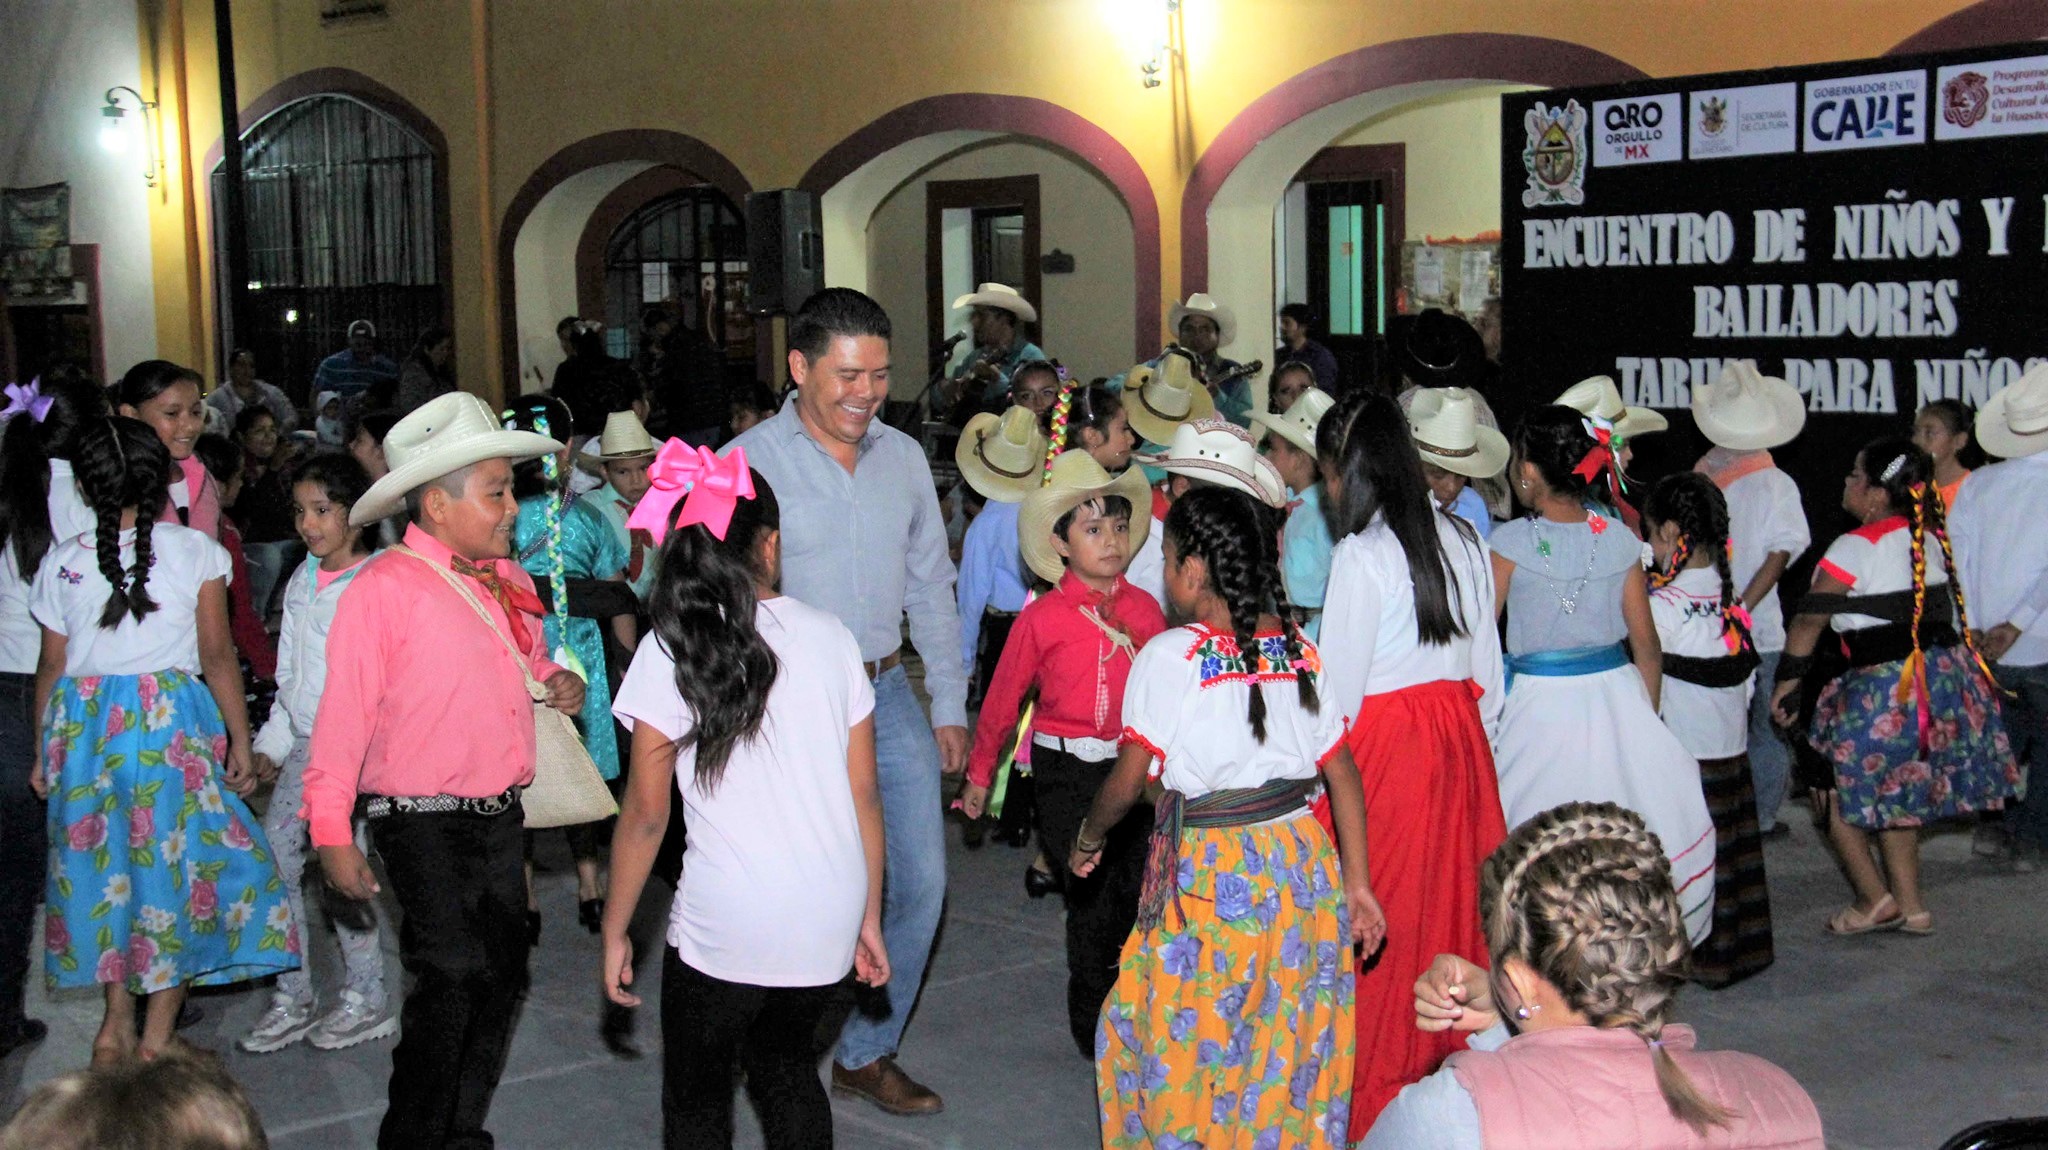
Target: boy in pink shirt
(426, 725)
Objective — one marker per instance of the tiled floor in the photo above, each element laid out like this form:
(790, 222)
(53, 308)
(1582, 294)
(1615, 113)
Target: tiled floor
(1901, 1041)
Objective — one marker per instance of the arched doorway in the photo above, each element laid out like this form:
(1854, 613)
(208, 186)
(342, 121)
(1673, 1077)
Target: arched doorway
(345, 199)
(1234, 205)
(664, 239)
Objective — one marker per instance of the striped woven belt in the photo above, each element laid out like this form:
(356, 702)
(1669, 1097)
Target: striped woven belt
(384, 806)
(1237, 807)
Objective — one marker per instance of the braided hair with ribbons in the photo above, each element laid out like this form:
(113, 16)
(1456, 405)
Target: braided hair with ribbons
(1693, 503)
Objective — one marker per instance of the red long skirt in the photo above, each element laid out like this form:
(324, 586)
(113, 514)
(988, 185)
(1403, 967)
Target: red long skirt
(1432, 815)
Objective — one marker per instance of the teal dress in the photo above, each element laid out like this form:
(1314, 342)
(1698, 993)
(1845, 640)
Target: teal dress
(590, 550)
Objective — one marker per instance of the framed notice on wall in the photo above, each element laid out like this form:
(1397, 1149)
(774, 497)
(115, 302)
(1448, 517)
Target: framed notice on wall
(1875, 232)
(1454, 275)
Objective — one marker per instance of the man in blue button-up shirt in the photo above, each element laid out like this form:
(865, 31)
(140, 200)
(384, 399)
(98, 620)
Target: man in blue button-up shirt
(863, 538)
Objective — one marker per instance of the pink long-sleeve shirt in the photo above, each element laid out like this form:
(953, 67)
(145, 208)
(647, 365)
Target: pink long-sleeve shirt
(421, 697)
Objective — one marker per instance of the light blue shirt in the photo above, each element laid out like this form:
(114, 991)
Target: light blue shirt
(867, 545)
(1436, 1113)
(991, 571)
(1305, 547)
(1471, 507)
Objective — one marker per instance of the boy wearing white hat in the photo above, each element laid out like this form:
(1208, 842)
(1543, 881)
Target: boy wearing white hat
(425, 723)
(1305, 542)
(623, 453)
(996, 317)
(2001, 557)
(1745, 414)
(1456, 448)
(1205, 451)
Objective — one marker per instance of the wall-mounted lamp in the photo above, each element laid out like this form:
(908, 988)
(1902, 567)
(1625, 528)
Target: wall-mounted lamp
(117, 133)
(1154, 70)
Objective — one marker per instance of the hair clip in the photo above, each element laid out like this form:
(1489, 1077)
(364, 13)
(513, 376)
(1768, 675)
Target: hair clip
(29, 401)
(1892, 469)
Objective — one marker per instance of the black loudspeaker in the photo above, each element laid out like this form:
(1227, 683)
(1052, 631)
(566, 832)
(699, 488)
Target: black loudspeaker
(785, 250)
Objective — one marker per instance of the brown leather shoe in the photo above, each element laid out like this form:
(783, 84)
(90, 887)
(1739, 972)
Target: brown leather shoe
(883, 1083)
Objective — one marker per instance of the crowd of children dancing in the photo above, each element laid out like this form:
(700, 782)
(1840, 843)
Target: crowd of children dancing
(1363, 798)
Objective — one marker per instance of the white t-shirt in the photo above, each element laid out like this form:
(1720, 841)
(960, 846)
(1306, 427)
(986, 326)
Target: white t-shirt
(1370, 642)
(1147, 571)
(774, 878)
(1764, 515)
(1711, 722)
(21, 640)
(1186, 703)
(1877, 558)
(69, 593)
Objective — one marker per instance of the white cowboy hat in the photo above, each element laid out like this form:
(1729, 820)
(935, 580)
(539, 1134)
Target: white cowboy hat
(1745, 410)
(1002, 456)
(1220, 452)
(1597, 396)
(446, 433)
(1074, 479)
(1444, 423)
(1159, 399)
(2014, 422)
(1201, 304)
(624, 437)
(1297, 425)
(1002, 297)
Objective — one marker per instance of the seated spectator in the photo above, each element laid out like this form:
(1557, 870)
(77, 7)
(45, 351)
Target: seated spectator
(352, 370)
(1571, 1043)
(184, 1099)
(243, 389)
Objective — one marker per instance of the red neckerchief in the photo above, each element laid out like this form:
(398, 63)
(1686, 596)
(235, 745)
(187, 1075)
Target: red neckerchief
(513, 599)
(641, 542)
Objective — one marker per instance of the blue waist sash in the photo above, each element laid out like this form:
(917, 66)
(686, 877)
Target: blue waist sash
(1567, 663)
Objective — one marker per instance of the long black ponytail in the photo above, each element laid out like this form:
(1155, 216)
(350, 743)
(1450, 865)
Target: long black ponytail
(26, 449)
(1229, 531)
(702, 608)
(121, 465)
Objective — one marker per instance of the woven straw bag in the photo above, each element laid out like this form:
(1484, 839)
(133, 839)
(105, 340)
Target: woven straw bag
(567, 789)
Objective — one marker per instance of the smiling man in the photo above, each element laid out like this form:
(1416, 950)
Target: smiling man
(863, 538)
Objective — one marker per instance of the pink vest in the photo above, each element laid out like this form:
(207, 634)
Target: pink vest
(1595, 1089)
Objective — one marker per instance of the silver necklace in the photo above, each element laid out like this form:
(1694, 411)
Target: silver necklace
(1568, 598)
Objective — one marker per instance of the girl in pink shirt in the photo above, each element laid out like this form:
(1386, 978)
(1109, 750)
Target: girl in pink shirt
(757, 711)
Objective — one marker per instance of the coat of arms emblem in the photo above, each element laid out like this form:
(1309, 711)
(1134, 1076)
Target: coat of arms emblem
(1965, 99)
(1713, 115)
(1555, 157)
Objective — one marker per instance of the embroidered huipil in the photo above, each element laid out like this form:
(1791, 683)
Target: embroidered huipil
(1062, 641)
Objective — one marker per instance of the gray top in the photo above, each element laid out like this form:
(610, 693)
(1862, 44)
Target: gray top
(1585, 567)
(869, 546)
(1436, 1113)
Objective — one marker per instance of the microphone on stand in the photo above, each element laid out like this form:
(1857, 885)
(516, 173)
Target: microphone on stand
(944, 351)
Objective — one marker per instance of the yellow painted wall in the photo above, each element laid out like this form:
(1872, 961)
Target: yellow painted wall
(775, 83)
(1453, 154)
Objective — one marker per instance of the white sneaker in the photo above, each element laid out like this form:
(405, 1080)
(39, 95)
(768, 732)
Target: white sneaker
(287, 1021)
(355, 1021)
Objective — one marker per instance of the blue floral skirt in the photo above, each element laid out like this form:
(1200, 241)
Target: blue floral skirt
(159, 875)
(1231, 1023)
(1883, 779)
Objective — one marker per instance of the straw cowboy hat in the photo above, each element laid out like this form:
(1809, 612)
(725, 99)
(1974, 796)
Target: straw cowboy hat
(1201, 304)
(446, 433)
(624, 437)
(2014, 422)
(1220, 452)
(1002, 297)
(1437, 349)
(1074, 479)
(1597, 396)
(1444, 422)
(1297, 425)
(1159, 399)
(1002, 456)
(1745, 410)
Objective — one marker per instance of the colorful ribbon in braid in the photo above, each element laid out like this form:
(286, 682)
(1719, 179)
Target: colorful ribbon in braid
(1057, 433)
(1912, 686)
(551, 527)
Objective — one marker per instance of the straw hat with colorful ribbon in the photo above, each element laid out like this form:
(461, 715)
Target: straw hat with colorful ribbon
(1597, 396)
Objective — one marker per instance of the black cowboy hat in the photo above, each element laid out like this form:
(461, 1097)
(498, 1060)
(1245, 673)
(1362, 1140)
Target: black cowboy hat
(1437, 349)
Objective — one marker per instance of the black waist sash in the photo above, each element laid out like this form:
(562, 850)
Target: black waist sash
(1714, 671)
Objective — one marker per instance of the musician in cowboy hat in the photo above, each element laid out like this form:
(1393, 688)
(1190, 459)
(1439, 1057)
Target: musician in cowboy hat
(1201, 325)
(426, 720)
(996, 317)
(2001, 556)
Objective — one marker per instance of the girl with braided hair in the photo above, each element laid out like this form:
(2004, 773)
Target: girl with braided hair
(1588, 951)
(1709, 660)
(160, 877)
(1414, 666)
(1912, 725)
(1579, 723)
(1231, 1023)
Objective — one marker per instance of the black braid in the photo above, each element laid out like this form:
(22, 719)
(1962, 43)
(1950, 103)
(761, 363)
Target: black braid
(139, 600)
(121, 465)
(1695, 505)
(107, 543)
(1224, 529)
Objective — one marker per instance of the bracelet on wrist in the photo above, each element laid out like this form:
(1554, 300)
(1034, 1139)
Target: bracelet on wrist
(1082, 843)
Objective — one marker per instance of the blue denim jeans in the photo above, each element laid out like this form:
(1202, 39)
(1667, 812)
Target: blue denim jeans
(2025, 712)
(1770, 760)
(914, 879)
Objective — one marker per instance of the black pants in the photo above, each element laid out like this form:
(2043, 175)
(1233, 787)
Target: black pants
(24, 843)
(711, 1028)
(1102, 907)
(460, 884)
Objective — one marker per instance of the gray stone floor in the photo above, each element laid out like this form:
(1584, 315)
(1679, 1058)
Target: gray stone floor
(1901, 1041)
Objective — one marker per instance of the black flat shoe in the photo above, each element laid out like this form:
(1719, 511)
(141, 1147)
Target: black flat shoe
(590, 912)
(533, 928)
(1039, 883)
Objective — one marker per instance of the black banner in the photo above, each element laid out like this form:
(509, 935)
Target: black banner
(1875, 232)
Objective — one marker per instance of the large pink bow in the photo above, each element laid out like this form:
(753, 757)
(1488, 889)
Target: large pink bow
(709, 487)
